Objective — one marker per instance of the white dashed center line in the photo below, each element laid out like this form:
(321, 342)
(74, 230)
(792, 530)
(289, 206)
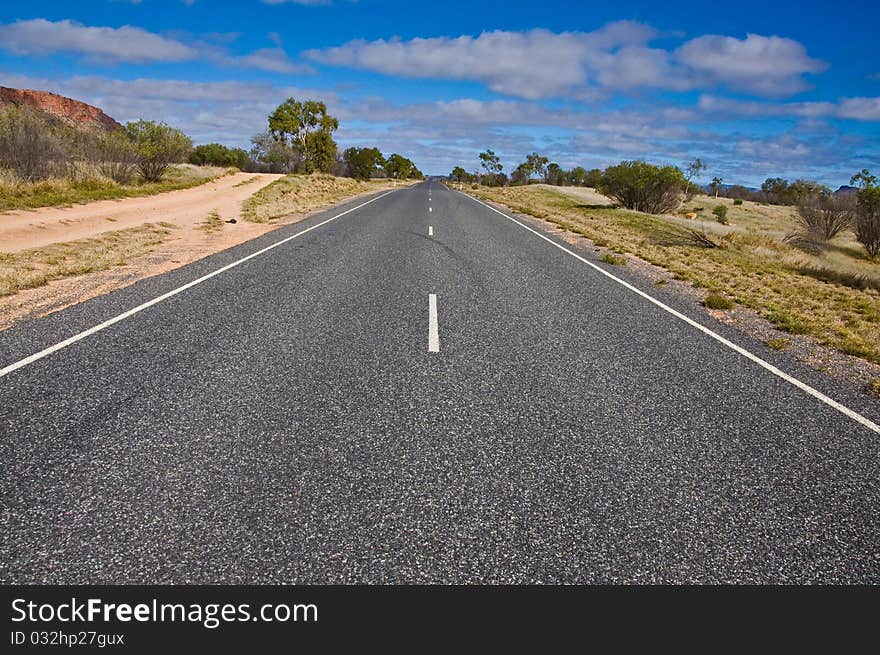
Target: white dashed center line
(433, 332)
(430, 230)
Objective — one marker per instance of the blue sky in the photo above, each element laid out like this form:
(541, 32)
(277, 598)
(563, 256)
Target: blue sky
(755, 89)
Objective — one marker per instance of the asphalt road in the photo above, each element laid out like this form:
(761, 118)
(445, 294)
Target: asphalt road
(286, 421)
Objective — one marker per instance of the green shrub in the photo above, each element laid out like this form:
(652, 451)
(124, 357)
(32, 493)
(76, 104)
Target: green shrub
(643, 187)
(216, 154)
(720, 212)
(716, 301)
(614, 260)
(868, 220)
(738, 201)
(158, 146)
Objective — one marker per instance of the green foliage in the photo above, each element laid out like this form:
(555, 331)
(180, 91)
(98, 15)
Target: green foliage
(643, 187)
(691, 171)
(491, 162)
(782, 192)
(716, 301)
(720, 212)
(158, 146)
(363, 163)
(400, 168)
(33, 147)
(459, 174)
(868, 219)
(536, 164)
(863, 179)
(116, 156)
(738, 201)
(614, 260)
(216, 154)
(306, 128)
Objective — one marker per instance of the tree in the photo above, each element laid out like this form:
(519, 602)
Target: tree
(863, 179)
(537, 165)
(307, 128)
(30, 146)
(594, 178)
(692, 171)
(158, 146)
(644, 187)
(116, 156)
(716, 186)
(275, 155)
(400, 168)
(554, 174)
(521, 174)
(458, 174)
(363, 163)
(490, 162)
(576, 176)
(868, 212)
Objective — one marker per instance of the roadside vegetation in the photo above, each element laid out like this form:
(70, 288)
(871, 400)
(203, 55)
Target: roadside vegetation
(832, 293)
(56, 192)
(46, 162)
(33, 268)
(299, 194)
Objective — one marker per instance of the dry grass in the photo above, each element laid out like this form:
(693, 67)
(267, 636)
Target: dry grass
(33, 268)
(91, 186)
(211, 224)
(297, 194)
(832, 296)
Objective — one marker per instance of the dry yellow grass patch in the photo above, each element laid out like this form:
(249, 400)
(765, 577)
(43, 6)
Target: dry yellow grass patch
(33, 268)
(90, 186)
(834, 296)
(297, 194)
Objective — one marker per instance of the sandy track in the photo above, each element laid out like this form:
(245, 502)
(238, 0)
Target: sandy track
(186, 208)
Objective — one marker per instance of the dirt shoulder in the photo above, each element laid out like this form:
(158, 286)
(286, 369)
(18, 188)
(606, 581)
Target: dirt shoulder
(26, 229)
(188, 226)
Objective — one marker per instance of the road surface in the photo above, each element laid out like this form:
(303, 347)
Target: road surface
(420, 389)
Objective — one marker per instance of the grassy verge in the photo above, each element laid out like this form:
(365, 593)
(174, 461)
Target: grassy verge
(834, 297)
(53, 193)
(296, 194)
(33, 268)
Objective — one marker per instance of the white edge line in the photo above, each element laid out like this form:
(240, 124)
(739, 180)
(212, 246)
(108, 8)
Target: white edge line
(131, 312)
(846, 411)
(433, 332)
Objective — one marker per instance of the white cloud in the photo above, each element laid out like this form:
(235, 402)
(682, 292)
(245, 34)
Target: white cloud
(617, 57)
(860, 109)
(110, 44)
(772, 66)
(533, 64)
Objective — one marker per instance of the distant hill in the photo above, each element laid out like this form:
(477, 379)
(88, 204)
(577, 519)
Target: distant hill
(845, 188)
(72, 112)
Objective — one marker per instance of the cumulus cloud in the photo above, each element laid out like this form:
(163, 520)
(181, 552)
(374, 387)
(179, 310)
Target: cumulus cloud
(860, 109)
(111, 44)
(771, 66)
(533, 64)
(617, 57)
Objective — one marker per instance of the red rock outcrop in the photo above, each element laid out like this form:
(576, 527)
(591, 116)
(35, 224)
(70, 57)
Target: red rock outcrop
(73, 112)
